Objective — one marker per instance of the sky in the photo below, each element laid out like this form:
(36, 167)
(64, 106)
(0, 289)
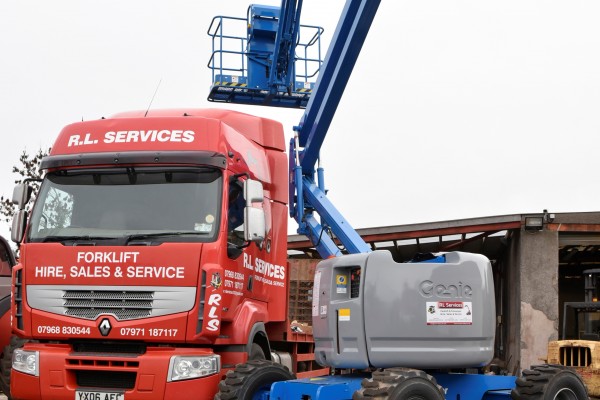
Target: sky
(455, 109)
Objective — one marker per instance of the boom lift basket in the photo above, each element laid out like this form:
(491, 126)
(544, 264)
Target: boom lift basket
(243, 56)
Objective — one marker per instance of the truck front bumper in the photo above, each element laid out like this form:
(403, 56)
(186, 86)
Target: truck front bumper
(65, 374)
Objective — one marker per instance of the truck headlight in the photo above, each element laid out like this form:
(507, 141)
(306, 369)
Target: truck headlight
(26, 362)
(190, 367)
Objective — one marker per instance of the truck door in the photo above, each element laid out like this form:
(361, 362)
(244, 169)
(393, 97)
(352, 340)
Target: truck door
(7, 261)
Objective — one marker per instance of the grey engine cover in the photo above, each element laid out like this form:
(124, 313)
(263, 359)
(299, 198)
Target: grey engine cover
(369, 311)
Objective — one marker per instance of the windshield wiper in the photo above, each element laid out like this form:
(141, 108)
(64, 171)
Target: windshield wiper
(57, 238)
(142, 236)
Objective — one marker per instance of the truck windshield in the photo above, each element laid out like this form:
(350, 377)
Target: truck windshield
(166, 204)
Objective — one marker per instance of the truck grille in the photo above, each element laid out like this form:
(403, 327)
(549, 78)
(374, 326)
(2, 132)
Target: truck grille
(106, 379)
(110, 365)
(18, 297)
(201, 303)
(121, 314)
(90, 304)
(575, 356)
(103, 348)
(123, 302)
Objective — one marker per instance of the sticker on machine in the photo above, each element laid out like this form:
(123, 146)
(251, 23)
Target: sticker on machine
(449, 313)
(316, 290)
(344, 314)
(341, 284)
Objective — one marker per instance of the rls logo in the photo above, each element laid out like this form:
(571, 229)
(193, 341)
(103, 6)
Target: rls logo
(213, 323)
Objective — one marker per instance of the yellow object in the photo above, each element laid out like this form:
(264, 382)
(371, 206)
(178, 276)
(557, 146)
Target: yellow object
(583, 356)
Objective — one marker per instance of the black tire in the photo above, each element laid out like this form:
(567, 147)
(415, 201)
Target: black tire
(256, 352)
(250, 378)
(549, 382)
(6, 363)
(399, 384)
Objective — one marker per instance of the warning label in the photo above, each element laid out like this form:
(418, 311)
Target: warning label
(344, 314)
(341, 283)
(316, 290)
(449, 313)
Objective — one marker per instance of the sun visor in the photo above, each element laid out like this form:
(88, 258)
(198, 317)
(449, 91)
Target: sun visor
(204, 158)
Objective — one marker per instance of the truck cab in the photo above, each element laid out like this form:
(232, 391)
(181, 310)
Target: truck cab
(154, 258)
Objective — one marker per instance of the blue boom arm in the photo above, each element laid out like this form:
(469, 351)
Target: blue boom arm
(308, 196)
(282, 73)
(268, 69)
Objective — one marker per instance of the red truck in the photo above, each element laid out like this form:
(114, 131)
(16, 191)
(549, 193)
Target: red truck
(154, 259)
(7, 261)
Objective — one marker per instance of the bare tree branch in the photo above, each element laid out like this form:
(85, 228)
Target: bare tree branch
(28, 168)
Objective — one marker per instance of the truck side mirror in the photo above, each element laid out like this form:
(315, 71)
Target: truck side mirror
(21, 194)
(254, 217)
(7, 258)
(19, 223)
(253, 192)
(254, 229)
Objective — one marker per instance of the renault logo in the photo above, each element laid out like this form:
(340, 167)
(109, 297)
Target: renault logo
(104, 327)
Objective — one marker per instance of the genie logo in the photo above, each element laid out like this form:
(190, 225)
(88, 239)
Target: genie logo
(444, 291)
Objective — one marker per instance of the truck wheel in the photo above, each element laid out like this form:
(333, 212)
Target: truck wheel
(250, 380)
(549, 382)
(6, 363)
(399, 384)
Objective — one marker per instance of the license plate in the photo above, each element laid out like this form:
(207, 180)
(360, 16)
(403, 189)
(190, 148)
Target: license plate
(94, 395)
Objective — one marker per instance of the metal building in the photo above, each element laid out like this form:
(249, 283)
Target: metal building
(537, 259)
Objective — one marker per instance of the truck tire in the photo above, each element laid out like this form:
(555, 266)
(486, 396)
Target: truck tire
(6, 363)
(248, 380)
(399, 384)
(549, 382)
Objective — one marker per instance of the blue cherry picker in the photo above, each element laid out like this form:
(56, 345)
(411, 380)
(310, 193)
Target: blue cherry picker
(386, 330)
